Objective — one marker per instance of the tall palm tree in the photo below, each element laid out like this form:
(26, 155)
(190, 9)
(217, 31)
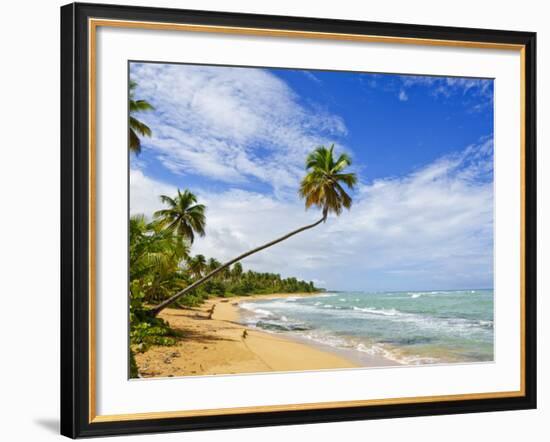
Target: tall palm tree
(225, 273)
(213, 264)
(197, 265)
(135, 126)
(321, 187)
(237, 270)
(183, 216)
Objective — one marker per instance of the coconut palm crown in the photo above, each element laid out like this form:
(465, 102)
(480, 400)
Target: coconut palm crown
(322, 185)
(183, 216)
(135, 126)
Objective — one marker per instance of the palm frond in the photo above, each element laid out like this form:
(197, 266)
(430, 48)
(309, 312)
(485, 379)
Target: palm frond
(135, 143)
(140, 127)
(349, 179)
(167, 200)
(140, 106)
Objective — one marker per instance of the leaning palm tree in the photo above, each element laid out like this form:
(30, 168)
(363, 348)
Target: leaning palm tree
(322, 187)
(135, 126)
(183, 216)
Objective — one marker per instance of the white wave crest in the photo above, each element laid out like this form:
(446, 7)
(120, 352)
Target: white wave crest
(260, 312)
(374, 311)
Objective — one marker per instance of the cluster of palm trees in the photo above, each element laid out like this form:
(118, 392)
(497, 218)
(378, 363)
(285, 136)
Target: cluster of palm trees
(161, 264)
(199, 266)
(164, 243)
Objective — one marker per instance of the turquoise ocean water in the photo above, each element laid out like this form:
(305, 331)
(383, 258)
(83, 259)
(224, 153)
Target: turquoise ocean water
(407, 327)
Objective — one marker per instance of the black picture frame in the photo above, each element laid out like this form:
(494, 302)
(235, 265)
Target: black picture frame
(75, 221)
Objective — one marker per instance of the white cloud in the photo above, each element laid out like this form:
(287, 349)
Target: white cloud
(230, 124)
(145, 193)
(446, 87)
(430, 229)
(312, 77)
(403, 95)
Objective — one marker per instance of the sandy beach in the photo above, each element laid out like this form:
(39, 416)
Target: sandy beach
(217, 344)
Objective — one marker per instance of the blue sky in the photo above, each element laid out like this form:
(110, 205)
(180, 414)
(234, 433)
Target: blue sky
(237, 137)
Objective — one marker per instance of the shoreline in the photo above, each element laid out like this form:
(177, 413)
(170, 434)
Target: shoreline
(361, 359)
(214, 343)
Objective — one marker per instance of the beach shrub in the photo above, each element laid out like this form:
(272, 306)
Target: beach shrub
(189, 301)
(133, 366)
(146, 330)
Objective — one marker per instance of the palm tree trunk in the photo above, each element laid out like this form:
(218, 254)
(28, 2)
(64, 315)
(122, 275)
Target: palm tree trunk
(157, 309)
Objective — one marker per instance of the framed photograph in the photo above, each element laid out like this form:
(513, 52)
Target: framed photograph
(274, 220)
